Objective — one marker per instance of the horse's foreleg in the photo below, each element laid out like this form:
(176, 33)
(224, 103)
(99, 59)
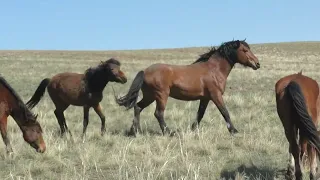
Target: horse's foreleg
(3, 129)
(98, 110)
(201, 110)
(218, 101)
(85, 119)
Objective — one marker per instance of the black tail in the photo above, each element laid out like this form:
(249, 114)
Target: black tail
(131, 98)
(305, 124)
(38, 94)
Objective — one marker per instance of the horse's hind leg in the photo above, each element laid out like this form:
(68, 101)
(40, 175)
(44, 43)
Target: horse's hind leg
(61, 106)
(98, 110)
(201, 110)
(61, 119)
(143, 103)
(161, 100)
(3, 129)
(295, 150)
(313, 162)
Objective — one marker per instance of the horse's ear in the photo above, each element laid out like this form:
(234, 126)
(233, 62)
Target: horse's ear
(238, 43)
(244, 39)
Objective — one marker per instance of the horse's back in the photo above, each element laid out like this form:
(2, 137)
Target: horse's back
(309, 88)
(67, 86)
(184, 82)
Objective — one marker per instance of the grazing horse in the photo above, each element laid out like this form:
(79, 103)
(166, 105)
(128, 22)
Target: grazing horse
(79, 90)
(11, 104)
(203, 80)
(298, 107)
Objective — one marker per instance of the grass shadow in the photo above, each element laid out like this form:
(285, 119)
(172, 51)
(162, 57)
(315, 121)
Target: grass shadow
(128, 133)
(251, 172)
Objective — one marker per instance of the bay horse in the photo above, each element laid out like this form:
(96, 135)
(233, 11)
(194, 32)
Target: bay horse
(204, 80)
(12, 105)
(76, 89)
(298, 107)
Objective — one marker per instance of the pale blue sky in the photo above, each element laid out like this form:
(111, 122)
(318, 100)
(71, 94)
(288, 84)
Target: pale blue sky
(145, 24)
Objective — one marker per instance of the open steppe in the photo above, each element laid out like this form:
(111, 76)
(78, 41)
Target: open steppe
(258, 151)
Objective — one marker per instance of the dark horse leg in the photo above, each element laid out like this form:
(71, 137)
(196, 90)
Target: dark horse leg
(61, 119)
(294, 151)
(201, 110)
(218, 101)
(61, 106)
(98, 110)
(161, 100)
(3, 129)
(313, 162)
(85, 119)
(143, 103)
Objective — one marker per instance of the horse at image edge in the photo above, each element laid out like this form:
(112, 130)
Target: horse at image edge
(11, 104)
(298, 107)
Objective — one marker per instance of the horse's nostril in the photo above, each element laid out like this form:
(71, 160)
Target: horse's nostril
(258, 64)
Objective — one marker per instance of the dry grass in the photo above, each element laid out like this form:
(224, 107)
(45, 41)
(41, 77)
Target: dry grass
(259, 151)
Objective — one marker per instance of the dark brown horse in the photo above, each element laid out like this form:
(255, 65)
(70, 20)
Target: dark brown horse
(203, 80)
(79, 90)
(298, 106)
(11, 104)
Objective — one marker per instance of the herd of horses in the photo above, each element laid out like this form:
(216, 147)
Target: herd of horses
(297, 99)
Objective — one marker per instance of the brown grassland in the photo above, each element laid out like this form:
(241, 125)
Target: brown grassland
(258, 151)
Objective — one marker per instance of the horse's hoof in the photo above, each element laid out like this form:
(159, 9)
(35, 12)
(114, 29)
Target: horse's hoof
(298, 176)
(132, 133)
(194, 126)
(312, 177)
(10, 152)
(62, 134)
(233, 131)
(103, 132)
(172, 133)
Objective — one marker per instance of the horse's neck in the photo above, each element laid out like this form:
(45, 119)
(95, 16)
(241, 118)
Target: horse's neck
(223, 65)
(18, 116)
(97, 82)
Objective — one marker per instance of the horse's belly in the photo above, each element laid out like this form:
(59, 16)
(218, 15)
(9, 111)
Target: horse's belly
(181, 94)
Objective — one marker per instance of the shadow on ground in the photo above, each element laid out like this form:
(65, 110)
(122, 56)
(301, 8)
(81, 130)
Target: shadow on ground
(251, 172)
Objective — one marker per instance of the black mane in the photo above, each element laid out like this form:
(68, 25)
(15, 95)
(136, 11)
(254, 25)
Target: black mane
(225, 50)
(96, 78)
(27, 112)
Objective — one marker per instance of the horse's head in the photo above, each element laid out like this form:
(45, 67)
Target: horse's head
(112, 68)
(32, 134)
(245, 56)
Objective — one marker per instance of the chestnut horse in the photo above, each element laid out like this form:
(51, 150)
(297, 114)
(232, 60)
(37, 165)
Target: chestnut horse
(79, 90)
(11, 104)
(203, 80)
(298, 107)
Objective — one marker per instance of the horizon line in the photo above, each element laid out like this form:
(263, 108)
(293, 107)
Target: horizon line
(146, 49)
